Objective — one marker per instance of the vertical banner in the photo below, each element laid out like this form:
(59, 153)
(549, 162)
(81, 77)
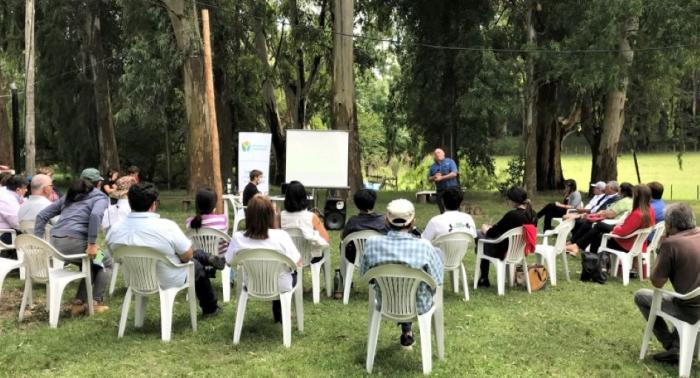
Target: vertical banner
(254, 153)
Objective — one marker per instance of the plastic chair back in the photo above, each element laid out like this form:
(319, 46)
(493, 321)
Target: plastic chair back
(303, 245)
(262, 269)
(207, 239)
(398, 285)
(659, 231)
(358, 238)
(639, 241)
(516, 245)
(37, 254)
(141, 264)
(562, 230)
(454, 245)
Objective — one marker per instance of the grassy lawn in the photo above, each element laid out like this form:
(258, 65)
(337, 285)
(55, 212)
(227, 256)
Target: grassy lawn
(574, 329)
(662, 167)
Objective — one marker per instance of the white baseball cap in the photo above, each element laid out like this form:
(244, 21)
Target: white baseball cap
(600, 185)
(400, 212)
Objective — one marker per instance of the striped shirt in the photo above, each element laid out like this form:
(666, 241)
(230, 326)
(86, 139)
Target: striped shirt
(403, 248)
(217, 222)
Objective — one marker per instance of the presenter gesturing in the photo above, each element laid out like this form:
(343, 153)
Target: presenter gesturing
(444, 174)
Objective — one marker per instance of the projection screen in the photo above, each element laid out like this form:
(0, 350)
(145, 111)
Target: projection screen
(318, 159)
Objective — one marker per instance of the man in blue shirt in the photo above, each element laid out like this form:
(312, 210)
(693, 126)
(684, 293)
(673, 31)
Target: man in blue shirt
(444, 174)
(659, 206)
(399, 246)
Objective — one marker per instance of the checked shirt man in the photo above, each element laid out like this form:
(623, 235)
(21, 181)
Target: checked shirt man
(399, 246)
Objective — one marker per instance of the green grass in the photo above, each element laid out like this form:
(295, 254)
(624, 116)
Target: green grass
(662, 167)
(574, 329)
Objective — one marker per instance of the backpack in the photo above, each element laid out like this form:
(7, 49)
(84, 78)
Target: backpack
(594, 267)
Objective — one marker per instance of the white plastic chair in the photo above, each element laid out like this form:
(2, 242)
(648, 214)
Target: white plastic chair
(27, 227)
(549, 252)
(515, 256)
(142, 281)
(687, 333)
(653, 246)
(398, 285)
(305, 248)
(454, 246)
(625, 258)
(261, 269)
(37, 254)
(236, 207)
(208, 240)
(8, 265)
(358, 239)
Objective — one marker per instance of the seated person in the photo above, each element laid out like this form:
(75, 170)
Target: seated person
(259, 234)
(678, 260)
(659, 206)
(572, 200)
(399, 246)
(520, 215)
(452, 219)
(614, 207)
(144, 228)
(252, 188)
(42, 189)
(365, 220)
(297, 215)
(599, 197)
(10, 199)
(205, 203)
(119, 210)
(642, 216)
(55, 195)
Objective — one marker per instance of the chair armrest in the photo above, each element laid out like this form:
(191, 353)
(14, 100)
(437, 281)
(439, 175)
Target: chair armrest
(693, 294)
(13, 235)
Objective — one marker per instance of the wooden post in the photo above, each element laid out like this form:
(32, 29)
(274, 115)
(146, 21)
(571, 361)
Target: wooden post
(211, 105)
(29, 144)
(636, 166)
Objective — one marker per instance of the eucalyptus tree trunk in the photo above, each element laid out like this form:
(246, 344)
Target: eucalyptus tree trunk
(605, 157)
(343, 106)
(29, 62)
(106, 139)
(530, 99)
(6, 152)
(183, 17)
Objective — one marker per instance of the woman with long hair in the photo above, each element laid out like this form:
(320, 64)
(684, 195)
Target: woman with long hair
(520, 214)
(205, 203)
(260, 234)
(297, 215)
(572, 200)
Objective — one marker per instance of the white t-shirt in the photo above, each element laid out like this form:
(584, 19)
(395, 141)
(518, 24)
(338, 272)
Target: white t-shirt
(115, 214)
(277, 240)
(447, 222)
(163, 235)
(32, 207)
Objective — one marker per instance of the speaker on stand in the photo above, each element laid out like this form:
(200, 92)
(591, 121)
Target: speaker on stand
(334, 214)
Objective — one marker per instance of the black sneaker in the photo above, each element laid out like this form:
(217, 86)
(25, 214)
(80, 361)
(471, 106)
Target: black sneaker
(407, 341)
(669, 356)
(217, 262)
(483, 282)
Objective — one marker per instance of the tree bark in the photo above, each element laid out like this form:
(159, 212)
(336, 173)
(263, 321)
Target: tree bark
(343, 106)
(106, 139)
(605, 161)
(29, 62)
(6, 152)
(530, 96)
(211, 108)
(189, 42)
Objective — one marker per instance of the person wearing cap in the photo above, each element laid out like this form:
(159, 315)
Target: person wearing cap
(444, 174)
(399, 246)
(42, 190)
(572, 200)
(75, 233)
(520, 215)
(118, 211)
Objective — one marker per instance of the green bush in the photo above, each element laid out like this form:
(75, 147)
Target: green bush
(514, 174)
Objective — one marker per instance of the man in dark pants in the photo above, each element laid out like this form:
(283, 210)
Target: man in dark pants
(679, 261)
(144, 228)
(444, 174)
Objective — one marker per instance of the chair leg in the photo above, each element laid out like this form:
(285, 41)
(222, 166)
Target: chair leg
(626, 266)
(315, 282)
(113, 280)
(3, 274)
(226, 283)
(687, 334)
(647, 333)
(425, 345)
(167, 299)
(477, 271)
(56, 292)
(240, 315)
(299, 306)
(347, 281)
(125, 312)
(455, 281)
(192, 299)
(286, 304)
(88, 286)
(374, 325)
(439, 325)
(328, 270)
(527, 277)
(501, 277)
(511, 274)
(26, 295)
(551, 261)
(565, 262)
(464, 282)
(140, 310)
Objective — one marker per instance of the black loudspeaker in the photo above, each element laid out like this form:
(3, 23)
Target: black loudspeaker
(334, 214)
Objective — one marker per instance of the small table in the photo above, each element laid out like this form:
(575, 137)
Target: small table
(425, 196)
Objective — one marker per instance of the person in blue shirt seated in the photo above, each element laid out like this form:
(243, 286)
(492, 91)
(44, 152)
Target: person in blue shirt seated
(657, 191)
(444, 174)
(399, 246)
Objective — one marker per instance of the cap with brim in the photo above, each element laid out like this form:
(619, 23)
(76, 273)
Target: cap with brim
(400, 212)
(600, 185)
(91, 174)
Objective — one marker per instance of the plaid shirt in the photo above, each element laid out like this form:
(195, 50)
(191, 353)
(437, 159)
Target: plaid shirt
(405, 249)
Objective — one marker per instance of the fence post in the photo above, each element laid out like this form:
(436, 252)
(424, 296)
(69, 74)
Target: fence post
(697, 192)
(671, 191)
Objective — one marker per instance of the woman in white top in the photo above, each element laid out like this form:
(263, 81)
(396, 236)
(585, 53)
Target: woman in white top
(118, 211)
(297, 215)
(259, 220)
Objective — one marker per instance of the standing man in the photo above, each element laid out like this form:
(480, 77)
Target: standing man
(252, 188)
(444, 174)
